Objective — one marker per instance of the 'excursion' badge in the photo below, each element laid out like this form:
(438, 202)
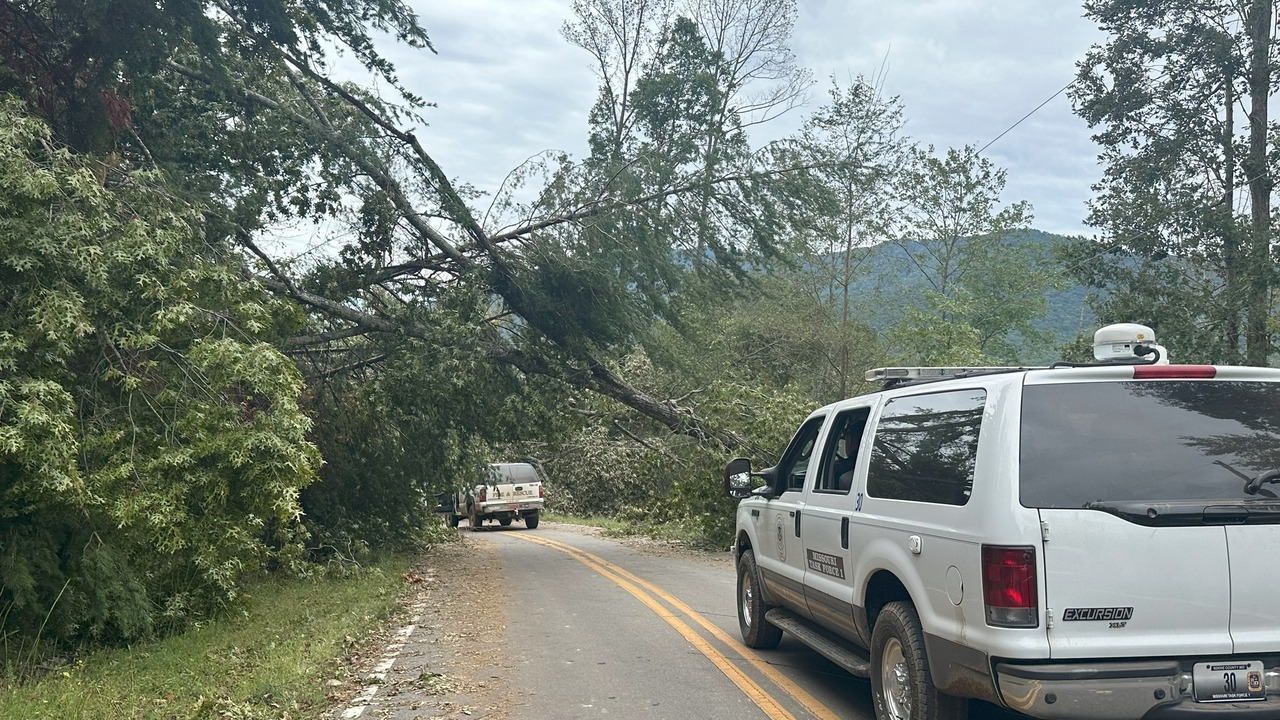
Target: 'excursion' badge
(1110, 613)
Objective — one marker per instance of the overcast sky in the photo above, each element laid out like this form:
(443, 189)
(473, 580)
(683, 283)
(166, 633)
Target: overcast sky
(508, 86)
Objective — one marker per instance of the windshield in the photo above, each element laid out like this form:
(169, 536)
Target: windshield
(1147, 441)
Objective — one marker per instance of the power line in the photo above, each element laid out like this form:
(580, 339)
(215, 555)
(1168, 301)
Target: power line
(1024, 117)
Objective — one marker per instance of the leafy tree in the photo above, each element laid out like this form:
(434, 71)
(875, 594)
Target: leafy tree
(981, 287)
(854, 145)
(151, 445)
(756, 72)
(758, 80)
(1178, 97)
(622, 37)
(696, 79)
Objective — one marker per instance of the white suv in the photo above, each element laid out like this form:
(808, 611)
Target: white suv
(1069, 542)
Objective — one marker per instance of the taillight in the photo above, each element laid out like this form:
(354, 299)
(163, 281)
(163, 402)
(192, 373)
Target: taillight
(1165, 372)
(540, 491)
(1009, 586)
(484, 494)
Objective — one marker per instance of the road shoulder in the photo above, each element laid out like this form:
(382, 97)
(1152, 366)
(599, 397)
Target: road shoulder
(443, 655)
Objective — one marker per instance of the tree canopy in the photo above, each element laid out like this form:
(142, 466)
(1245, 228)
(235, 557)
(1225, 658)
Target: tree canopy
(182, 407)
(1177, 96)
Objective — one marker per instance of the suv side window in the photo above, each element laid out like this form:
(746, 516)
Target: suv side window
(841, 455)
(925, 447)
(795, 461)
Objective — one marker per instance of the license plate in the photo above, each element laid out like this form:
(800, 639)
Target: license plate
(1228, 681)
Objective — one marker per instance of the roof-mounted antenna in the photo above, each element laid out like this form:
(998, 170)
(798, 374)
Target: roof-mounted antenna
(1128, 343)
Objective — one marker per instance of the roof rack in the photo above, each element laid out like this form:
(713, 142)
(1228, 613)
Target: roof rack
(1116, 344)
(895, 376)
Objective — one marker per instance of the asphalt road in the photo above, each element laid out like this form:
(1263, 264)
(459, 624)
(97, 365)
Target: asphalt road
(597, 628)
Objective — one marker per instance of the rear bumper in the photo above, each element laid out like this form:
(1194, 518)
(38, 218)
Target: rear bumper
(1122, 690)
(512, 508)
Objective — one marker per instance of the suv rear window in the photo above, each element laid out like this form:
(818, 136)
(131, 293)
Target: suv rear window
(1147, 441)
(514, 473)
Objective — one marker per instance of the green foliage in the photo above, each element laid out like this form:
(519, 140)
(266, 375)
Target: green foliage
(77, 63)
(673, 133)
(676, 100)
(151, 449)
(983, 288)
(726, 357)
(423, 421)
(1176, 97)
(269, 661)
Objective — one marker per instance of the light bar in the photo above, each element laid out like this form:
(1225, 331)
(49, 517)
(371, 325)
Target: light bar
(934, 373)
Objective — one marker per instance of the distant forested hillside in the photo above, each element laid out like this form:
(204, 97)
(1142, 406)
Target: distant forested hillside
(888, 283)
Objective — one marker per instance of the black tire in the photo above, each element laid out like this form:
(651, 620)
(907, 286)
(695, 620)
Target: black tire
(756, 631)
(475, 521)
(454, 520)
(901, 685)
(531, 521)
(504, 522)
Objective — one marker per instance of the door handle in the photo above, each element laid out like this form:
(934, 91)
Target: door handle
(844, 533)
(797, 523)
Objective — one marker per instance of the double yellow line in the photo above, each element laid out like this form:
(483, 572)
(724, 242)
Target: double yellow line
(645, 592)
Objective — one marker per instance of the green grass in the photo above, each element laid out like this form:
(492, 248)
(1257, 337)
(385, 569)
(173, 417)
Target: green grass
(271, 661)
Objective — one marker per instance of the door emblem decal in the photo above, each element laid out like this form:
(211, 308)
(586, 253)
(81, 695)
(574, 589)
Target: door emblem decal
(782, 542)
(826, 563)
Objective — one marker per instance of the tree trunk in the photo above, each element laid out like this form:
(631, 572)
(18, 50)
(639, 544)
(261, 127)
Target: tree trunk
(1231, 306)
(1257, 340)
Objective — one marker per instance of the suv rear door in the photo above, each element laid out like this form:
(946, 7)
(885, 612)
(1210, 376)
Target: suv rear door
(1150, 544)
(1116, 589)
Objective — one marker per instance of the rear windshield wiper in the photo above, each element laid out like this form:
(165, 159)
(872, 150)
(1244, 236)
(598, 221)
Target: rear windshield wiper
(1176, 513)
(1253, 485)
(1257, 481)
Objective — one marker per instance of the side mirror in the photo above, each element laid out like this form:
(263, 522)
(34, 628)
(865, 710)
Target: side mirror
(737, 478)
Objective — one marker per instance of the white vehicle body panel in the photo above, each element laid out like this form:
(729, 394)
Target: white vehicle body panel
(782, 555)
(1175, 579)
(827, 580)
(1255, 623)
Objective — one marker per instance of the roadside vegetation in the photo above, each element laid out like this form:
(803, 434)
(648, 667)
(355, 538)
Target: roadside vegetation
(271, 657)
(191, 410)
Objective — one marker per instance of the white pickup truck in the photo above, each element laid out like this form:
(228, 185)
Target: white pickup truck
(513, 490)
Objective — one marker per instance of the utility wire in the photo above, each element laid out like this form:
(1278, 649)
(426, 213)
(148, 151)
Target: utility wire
(1024, 117)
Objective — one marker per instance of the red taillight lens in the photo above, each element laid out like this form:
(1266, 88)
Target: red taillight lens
(484, 494)
(1165, 372)
(540, 491)
(1009, 586)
